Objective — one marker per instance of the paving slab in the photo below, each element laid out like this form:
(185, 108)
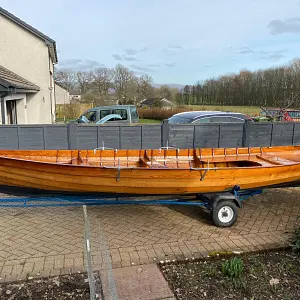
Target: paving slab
(138, 283)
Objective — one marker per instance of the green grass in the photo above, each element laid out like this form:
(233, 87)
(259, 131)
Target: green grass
(250, 110)
(233, 268)
(147, 121)
(61, 120)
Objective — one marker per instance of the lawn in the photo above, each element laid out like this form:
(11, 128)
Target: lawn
(272, 275)
(249, 110)
(149, 121)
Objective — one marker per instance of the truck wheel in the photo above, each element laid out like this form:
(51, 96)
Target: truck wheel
(225, 214)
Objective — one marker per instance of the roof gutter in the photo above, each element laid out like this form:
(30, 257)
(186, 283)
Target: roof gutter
(52, 50)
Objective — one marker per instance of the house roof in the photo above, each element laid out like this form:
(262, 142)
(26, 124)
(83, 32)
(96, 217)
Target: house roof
(60, 85)
(10, 81)
(151, 101)
(50, 42)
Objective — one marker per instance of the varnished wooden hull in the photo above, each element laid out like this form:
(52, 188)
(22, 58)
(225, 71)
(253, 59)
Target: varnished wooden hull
(150, 172)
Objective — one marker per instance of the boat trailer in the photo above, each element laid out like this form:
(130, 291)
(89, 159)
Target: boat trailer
(223, 206)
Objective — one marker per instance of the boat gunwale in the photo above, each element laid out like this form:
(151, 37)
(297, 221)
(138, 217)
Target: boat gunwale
(164, 168)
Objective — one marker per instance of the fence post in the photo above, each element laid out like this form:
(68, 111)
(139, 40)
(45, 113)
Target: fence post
(246, 135)
(271, 139)
(72, 136)
(120, 136)
(165, 134)
(18, 134)
(45, 136)
(293, 138)
(219, 135)
(142, 137)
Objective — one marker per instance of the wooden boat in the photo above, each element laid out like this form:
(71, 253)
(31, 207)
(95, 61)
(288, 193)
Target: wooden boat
(150, 172)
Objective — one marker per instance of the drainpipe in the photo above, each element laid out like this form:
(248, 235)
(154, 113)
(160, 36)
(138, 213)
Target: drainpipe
(3, 107)
(51, 88)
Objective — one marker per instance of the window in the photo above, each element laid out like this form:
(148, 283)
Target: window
(91, 116)
(202, 120)
(121, 112)
(237, 120)
(178, 120)
(294, 114)
(104, 113)
(134, 113)
(11, 111)
(220, 119)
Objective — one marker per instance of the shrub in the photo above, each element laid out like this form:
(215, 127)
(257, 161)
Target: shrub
(158, 113)
(233, 268)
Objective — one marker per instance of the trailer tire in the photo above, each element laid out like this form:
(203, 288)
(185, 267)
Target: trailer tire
(225, 213)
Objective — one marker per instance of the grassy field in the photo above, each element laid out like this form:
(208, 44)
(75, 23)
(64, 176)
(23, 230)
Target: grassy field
(249, 110)
(158, 113)
(147, 121)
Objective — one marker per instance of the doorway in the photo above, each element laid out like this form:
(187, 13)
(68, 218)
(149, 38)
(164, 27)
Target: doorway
(11, 111)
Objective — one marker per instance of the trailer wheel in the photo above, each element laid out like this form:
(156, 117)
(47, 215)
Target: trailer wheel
(225, 214)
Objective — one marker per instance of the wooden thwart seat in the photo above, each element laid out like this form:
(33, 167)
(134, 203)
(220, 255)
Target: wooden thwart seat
(275, 160)
(151, 162)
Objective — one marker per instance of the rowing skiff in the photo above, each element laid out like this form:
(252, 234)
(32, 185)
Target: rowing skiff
(150, 172)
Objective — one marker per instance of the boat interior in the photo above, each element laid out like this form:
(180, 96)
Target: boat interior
(164, 158)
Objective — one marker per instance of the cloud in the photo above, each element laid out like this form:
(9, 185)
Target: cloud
(246, 51)
(131, 51)
(138, 73)
(170, 65)
(153, 65)
(168, 51)
(129, 58)
(144, 49)
(172, 49)
(175, 47)
(117, 57)
(142, 69)
(273, 57)
(229, 48)
(288, 26)
(72, 61)
(264, 55)
(80, 64)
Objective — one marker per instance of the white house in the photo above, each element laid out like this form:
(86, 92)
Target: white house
(75, 98)
(62, 96)
(27, 59)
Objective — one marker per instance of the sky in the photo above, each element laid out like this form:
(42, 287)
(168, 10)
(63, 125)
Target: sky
(174, 41)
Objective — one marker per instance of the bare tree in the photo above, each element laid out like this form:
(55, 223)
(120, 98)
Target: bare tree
(165, 92)
(66, 78)
(84, 80)
(125, 84)
(145, 88)
(102, 79)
